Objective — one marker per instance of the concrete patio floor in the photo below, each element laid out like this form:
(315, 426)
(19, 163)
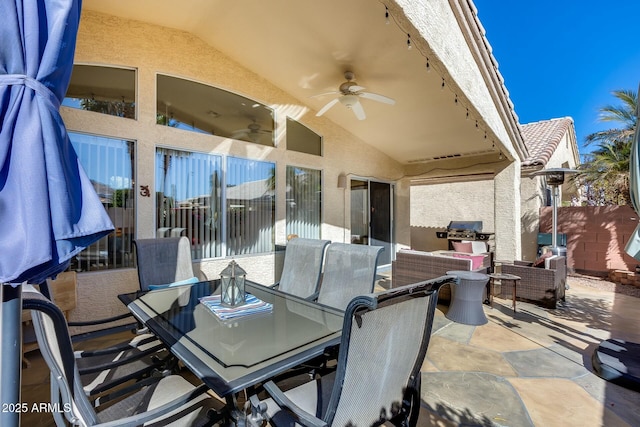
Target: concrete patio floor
(531, 368)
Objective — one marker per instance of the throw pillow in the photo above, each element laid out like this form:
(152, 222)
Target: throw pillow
(465, 247)
(540, 261)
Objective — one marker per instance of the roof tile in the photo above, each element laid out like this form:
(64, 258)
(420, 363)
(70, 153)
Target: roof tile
(542, 139)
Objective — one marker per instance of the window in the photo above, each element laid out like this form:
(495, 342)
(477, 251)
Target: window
(109, 164)
(304, 202)
(250, 193)
(188, 199)
(301, 138)
(197, 107)
(189, 202)
(105, 90)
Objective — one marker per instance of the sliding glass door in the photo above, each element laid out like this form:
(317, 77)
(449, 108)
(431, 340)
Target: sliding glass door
(372, 216)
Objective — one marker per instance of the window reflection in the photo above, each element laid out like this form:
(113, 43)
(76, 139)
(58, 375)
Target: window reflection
(105, 90)
(109, 164)
(197, 107)
(304, 202)
(188, 199)
(250, 193)
(189, 202)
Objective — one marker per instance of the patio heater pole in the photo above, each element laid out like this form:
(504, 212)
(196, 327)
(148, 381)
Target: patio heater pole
(555, 178)
(554, 225)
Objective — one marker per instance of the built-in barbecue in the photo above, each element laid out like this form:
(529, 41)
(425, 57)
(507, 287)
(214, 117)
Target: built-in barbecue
(464, 230)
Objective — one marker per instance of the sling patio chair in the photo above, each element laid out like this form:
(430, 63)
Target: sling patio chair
(302, 267)
(164, 262)
(384, 342)
(137, 361)
(161, 262)
(170, 399)
(143, 358)
(349, 271)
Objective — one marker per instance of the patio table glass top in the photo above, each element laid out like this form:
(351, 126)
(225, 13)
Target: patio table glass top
(230, 355)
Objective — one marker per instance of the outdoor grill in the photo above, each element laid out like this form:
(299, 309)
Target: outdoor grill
(464, 230)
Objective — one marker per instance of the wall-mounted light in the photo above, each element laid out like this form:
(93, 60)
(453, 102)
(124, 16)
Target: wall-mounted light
(342, 181)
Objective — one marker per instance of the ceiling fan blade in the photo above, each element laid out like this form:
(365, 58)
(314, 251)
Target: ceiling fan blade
(323, 94)
(376, 97)
(240, 134)
(358, 111)
(326, 107)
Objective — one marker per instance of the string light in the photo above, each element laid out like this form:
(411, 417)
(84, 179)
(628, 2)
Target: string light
(429, 67)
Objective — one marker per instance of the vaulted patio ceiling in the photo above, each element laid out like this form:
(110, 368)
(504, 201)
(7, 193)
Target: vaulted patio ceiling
(304, 48)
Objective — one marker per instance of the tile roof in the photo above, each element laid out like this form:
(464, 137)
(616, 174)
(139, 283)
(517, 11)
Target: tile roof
(542, 139)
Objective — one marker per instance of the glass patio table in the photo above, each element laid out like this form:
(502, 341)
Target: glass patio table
(231, 355)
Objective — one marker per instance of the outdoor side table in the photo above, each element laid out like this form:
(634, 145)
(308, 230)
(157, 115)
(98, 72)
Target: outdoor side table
(466, 298)
(503, 277)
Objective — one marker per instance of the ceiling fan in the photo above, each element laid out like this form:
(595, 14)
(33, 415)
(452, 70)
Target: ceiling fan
(350, 93)
(253, 132)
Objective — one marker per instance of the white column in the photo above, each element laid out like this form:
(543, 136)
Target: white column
(508, 231)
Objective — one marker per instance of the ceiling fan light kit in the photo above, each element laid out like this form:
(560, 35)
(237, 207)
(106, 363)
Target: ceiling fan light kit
(350, 93)
(348, 100)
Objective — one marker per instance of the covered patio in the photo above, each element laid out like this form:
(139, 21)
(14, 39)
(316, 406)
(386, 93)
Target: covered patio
(531, 368)
(452, 121)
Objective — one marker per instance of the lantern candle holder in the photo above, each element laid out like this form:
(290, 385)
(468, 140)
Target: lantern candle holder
(232, 285)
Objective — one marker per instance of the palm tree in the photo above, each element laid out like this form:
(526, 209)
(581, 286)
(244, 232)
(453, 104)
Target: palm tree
(605, 171)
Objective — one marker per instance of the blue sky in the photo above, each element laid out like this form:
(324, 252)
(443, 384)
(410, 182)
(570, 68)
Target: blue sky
(564, 57)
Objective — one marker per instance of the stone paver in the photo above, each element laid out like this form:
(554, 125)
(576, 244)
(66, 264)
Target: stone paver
(532, 367)
(473, 399)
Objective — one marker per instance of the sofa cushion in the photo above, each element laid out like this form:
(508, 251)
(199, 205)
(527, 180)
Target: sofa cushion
(476, 260)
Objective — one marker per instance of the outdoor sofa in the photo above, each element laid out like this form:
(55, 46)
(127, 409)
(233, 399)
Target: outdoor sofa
(544, 284)
(412, 266)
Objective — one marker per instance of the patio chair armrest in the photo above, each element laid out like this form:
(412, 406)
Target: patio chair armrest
(117, 348)
(313, 296)
(285, 403)
(101, 321)
(120, 362)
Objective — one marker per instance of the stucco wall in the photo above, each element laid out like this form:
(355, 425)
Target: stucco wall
(435, 205)
(110, 40)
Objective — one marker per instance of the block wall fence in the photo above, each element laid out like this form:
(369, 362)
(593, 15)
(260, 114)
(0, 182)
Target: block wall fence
(596, 236)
